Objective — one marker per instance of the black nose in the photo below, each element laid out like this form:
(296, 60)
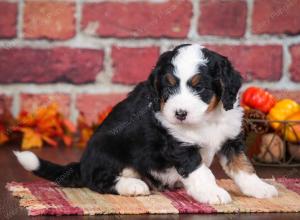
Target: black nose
(181, 114)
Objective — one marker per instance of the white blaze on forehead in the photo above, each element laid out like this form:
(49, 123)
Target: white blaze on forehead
(187, 61)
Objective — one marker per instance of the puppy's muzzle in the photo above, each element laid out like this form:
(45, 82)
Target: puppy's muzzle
(181, 114)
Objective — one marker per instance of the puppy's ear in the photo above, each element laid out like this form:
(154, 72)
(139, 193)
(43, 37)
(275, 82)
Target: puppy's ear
(155, 76)
(230, 82)
(154, 88)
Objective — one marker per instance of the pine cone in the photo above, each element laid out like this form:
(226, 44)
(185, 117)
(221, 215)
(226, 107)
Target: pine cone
(255, 121)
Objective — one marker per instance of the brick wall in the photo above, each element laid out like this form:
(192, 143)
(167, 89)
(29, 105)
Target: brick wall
(88, 54)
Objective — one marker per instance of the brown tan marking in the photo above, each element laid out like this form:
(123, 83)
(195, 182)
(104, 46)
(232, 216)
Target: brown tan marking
(238, 163)
(162, 104)
(171, 79)
(195, 79)
(213, 103)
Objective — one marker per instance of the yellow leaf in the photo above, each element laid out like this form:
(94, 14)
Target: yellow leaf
(31, 139)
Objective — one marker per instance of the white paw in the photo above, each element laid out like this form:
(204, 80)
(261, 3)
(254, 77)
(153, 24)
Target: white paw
(128, 186)
(252, 185)
(211, 195)
(261, 190)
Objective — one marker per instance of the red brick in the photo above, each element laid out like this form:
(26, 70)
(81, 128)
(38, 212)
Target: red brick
(276, 17)
(52, 20)
(254, 62)
(222, 18)
(295, 66)
(92, 104)
(138, 19)
(287, 94)
(30, 102)
(132, 65)
(5, 102)
(8, 19)
(24, 65)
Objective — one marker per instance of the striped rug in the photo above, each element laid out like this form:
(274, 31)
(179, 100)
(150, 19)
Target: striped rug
(46, 198)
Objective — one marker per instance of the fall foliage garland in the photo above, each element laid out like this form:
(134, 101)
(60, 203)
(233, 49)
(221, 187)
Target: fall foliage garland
(47, 126)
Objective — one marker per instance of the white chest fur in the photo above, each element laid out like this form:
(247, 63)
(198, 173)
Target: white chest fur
(215, 128)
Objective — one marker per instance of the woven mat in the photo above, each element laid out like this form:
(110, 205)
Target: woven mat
(46, 198)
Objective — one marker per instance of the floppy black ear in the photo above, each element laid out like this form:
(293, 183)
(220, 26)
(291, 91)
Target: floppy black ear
(230, 82)
(155, 76)
(154, 89)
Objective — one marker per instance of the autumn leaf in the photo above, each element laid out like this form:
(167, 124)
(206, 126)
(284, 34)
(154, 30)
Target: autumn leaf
(86, 130)
(3, 137)
(31, 139)
(67, 140)
(102, 115)
(49, 141)
(69, 125)
(45, 125)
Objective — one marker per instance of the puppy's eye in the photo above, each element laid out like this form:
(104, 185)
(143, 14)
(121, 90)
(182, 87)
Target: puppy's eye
(201, 90)
(195, 80)
(170, 79)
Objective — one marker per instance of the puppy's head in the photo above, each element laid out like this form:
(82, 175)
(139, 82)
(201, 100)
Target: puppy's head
(190, 81)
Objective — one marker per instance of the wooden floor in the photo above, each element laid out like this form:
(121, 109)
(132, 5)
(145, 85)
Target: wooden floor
(10, 170)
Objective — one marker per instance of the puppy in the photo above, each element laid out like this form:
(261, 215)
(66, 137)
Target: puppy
(166, 131)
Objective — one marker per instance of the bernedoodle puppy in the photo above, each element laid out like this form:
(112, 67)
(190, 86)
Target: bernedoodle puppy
(167, 131)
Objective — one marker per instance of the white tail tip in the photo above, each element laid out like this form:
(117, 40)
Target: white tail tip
(28, 160)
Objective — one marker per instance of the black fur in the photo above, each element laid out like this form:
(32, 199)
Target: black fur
(227, 80)
(132, 137)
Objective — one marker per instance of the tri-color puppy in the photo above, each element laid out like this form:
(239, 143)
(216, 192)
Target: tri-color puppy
(167, 131)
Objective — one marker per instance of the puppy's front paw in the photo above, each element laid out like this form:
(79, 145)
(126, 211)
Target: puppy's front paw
(261, 190)
(210, 195)
(255, 187)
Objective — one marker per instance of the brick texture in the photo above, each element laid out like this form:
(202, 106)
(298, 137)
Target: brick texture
(295, 66)
(30, 102)
(52, 20)
(138, 19)
(254, 62)
(276, 17)
(92, 104)
(287, 94)
(8, 19)
(59, 42)
(132, 65)
(5, 102)
(49, 65)
(223, 18)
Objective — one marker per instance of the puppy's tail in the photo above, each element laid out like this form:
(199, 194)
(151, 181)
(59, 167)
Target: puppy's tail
(68, 175)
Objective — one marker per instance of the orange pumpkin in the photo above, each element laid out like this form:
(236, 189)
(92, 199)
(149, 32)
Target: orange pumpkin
(292, 130)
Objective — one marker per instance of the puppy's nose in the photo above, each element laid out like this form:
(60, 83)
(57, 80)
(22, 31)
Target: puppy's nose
(181, 114)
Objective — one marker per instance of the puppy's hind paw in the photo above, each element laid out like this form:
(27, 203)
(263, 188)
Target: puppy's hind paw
(128, 186)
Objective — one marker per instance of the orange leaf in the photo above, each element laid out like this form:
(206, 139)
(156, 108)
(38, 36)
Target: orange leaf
(31, 139)
(82, 121)
(69, 125)
(85, 135)
(50, 141)
(102, 115)
(3, 138)
(25, 119)
(67, 140)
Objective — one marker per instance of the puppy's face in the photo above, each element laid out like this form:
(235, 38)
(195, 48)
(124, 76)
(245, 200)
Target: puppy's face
(189, 84)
